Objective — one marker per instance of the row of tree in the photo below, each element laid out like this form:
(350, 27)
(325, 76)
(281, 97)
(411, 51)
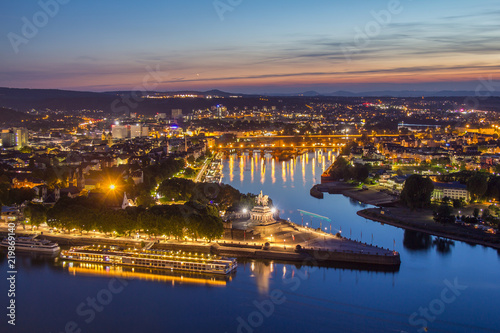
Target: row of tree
(341, 169)
(192, 219)
(225, 197)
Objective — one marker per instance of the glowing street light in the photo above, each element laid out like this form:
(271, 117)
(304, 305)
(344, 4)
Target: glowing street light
(112, 187)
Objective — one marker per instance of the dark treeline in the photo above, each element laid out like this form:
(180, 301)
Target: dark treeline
(341, 169)
(191, 219)
(197, 218)
(224, 197)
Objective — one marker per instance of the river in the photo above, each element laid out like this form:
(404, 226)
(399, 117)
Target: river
(445, 287)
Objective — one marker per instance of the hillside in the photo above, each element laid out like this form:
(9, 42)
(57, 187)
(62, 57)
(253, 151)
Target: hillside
(9, 116)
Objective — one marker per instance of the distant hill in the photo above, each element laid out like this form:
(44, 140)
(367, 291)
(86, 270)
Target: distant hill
(185, 92)
(384, 93)
(409, 93)
(27, 99)
(112, 102)
(9, 116)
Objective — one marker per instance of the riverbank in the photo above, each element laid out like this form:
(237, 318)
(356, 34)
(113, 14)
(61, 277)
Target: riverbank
(422, 221)
(316, 248)
(402, 217)
(370, 195)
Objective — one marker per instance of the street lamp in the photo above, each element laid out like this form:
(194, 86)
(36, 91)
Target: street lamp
(112, 187)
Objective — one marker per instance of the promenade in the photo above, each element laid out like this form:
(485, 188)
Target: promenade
(282, 245)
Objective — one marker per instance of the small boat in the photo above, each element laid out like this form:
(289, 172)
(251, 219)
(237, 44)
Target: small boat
(32, 244)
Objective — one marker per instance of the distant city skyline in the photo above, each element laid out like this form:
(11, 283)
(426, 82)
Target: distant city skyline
(249, 47)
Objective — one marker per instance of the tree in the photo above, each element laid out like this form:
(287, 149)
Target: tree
(189, 172)
(225, 197)
(458, 203)
(346, 150)
(25, 150)
(145, 200)
(360, 172)
(36, 213)
(176, 188)
(417, 192)
(340, 169)
(493, 191)
(476, 212)
(444, 214)
(477, 185)
(78, 213)
(17, 196)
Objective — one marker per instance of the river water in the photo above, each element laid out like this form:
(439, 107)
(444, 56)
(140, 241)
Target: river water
(443, 287)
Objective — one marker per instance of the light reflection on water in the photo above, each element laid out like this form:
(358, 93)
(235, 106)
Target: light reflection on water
(426, 260)
(326, 299)
(264, 167)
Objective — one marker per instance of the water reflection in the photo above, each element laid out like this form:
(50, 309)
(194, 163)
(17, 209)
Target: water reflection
(145, 274)
(442, 245)
(417, 241)
(231, 168)
(258, 163)
(355, 202)
(262, 272)
(273, 171)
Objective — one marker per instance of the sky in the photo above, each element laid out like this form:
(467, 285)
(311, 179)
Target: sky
(248, 46)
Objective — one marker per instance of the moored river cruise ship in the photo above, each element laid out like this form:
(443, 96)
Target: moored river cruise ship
(158, 259)
(32, 244)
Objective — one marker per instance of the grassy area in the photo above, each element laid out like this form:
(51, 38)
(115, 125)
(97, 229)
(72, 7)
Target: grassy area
(167, 201)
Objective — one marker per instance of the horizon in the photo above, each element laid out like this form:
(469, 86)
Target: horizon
(284, 94)
(249, 48)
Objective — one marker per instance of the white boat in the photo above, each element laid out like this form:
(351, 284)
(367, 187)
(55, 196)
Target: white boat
(33, 245)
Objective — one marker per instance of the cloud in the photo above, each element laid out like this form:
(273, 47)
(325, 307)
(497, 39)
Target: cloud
(406, 70)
